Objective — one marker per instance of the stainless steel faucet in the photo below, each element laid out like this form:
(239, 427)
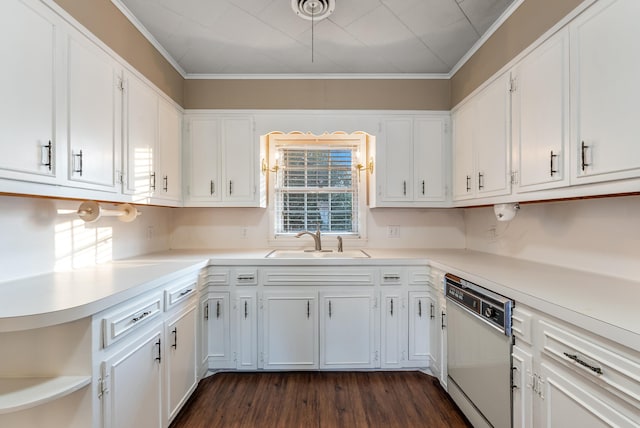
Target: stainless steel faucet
(316, 238)
(340, 244)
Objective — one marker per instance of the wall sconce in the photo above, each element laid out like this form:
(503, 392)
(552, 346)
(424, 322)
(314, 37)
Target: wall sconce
(368, 167)
(265, 167)
(506, 212)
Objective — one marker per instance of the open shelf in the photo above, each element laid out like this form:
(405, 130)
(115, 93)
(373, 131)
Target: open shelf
(24, 392)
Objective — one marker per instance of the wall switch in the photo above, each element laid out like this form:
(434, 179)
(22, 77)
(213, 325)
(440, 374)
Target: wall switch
(150, 233)
(393, 231)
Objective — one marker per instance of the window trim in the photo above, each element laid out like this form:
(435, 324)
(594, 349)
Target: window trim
(277, 139)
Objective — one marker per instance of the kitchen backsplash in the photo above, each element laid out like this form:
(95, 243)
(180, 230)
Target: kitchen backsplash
(596, 235)
(42, 235)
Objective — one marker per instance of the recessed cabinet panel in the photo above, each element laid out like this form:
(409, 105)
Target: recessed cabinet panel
(419, 327)
(541, 116)
(429, 158)
(397, 156)
(95, 115)
(290, 331)
(29, 109)
(393, 330)
(605, 91)
(169, 179)
(246, 333)
(239, 153)
(463, 169)
(203, 168)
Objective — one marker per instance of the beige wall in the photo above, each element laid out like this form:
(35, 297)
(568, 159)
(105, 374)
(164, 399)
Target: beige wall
(393, 94)
(107, 23)
(523, 27)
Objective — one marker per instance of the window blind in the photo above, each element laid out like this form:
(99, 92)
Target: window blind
(316, 187)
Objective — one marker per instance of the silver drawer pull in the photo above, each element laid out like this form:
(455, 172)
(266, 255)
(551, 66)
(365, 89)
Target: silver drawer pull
(141, 316)
(246, 278)
(185, 292)
(583, 363)
(391, 277)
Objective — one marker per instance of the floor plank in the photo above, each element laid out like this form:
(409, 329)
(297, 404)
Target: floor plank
(320, 399)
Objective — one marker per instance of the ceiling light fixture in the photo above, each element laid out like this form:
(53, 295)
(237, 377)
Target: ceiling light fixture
(313, 10)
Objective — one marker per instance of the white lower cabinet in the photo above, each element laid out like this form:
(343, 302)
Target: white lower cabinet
(180, 354)
(437, 327)
(131, 383)
(419, 327)
(571, 377)
(246, 336)
(393, 329)
(347, 330)
(289, 330)
(216, 333)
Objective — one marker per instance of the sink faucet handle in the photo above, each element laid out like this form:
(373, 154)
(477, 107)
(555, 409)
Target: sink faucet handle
(339, 243)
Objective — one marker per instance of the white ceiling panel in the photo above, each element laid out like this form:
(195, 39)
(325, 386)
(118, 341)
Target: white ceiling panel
(361, 36)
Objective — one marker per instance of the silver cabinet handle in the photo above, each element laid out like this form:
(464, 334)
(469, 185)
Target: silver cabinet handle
(391, 277)
(329, 308)
(442, 324)
(420, 308)
(230, 187)
(152, 179)
(206, 311)
(141, 316)
(212, 187)
(175, 338)
(246, 309)
(185, 292)
(583, 363)
(432, 311)
(165, 185)
(218, 309)
(583, 156)
(391, 311)
(159, 357)
(308, 309)
(404, 187)
(468, 183)
(423, 188)
(77, 156)
(480, 181)
(551, 170)
(46, 159)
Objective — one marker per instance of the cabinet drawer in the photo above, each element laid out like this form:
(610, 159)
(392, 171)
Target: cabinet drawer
(179, 292)
(215, 276)
(607, 364)
(120, 321)
(246, 276)
(521, 324)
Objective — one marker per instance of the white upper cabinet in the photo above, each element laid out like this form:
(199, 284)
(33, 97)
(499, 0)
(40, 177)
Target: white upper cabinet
(141, 134)
(540, 116)
(221, 162)
(605, 90)
(169, 154)
(410, 162)
(94, 115)
(30, 50)
(482, 144)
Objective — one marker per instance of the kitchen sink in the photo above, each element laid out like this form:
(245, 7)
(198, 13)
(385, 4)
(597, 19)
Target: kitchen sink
(312, 254)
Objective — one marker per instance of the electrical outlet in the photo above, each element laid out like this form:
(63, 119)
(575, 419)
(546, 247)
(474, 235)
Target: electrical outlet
(150, 233)
(393, 231)
(244, 232)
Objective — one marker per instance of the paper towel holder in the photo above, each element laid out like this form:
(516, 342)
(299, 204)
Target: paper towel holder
(506, 212)
(90, 211)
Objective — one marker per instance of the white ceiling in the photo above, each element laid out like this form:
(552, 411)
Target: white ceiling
(261, 37)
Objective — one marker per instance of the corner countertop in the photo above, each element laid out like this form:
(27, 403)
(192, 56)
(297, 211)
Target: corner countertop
(603, 304)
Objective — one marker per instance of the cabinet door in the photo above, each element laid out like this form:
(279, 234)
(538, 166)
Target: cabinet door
(180, 346)
(239, 153)
(492, 139)
(463, 175)
(141, 129)
(522, 393)
(419, 328)
(218, 332)
(394, 330)
(29, 47)
(204, 163)
(133, 396)
(95, 114)
(290, 331)
(347, 326)
(246, 333)
(395, 152)
(605, 91)
(541, 116)
(169, 185)
(435, 336)
(429, 160)
(569, 401)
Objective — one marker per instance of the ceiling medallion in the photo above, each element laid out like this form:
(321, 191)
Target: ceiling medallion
(313, 10)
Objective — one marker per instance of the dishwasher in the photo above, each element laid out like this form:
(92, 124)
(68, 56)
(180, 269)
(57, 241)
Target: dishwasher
(479, 346)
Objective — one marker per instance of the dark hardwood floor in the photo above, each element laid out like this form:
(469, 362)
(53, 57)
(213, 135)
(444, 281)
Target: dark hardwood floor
(320, 399)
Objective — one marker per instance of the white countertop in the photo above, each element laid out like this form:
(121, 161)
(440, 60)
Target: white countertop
(602, 304)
